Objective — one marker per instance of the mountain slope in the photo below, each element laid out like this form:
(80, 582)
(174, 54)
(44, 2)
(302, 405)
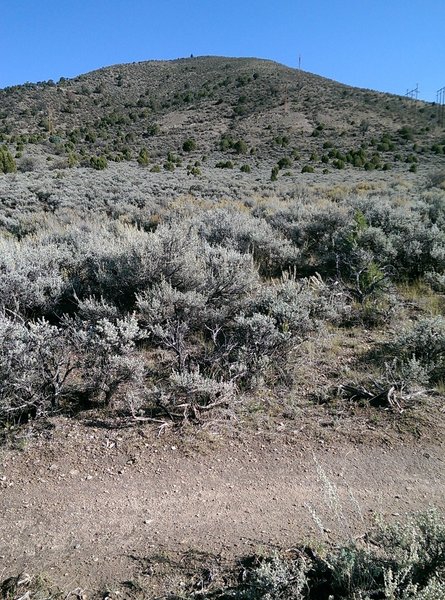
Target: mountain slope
(272, 111)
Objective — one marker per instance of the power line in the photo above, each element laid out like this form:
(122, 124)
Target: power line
(414, 93)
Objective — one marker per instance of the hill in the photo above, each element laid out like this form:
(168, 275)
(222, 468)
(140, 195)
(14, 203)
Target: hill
(217, 107)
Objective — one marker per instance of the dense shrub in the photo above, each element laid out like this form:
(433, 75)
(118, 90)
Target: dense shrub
(224, 164)
(407, 561)
(240, 147)
(400, 561)
(153, 129)
(98, 162)
(245, 233)
(7, 162)
(422, 347)
(35, 363)
(32, 275)
(42, 365)
(189, 145)
(208, 281)
(109, 369)
(189, 394)
(226, 142)
(284, 163)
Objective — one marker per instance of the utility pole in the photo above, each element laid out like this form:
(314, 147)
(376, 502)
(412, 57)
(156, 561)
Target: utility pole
(299, 77)
(440, 101)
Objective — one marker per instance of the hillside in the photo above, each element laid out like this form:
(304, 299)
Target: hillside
(252, 109)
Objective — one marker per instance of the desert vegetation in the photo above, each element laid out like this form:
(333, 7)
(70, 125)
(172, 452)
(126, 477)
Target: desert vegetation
(403, 560)
(171, 310)
(183, 250)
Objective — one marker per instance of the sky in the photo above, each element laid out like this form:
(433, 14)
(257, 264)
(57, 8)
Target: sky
(386, 45)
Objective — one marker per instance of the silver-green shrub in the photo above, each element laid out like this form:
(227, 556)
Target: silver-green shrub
(35, 364)
(422, 345)
(32, 278)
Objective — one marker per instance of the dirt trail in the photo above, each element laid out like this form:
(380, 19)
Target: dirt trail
(85, 505)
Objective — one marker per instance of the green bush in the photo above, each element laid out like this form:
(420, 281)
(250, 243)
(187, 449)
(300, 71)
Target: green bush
(245, 169)
(338, 163)
(307, 169)
(282, 140)
(153, 130)
(172, 158)
(189, 145)
(143, 158)
(284, 163)
(98, 162)
(226, 142)
(7, 162)
(224, 164)
(274, 173)
(194, 170)
(240, 147)
(406, 133)
(72, 160)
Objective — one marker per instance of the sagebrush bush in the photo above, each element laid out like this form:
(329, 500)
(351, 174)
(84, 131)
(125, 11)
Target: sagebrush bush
(35, 363)
(401, 561)
(245, 233)
(208, 280)
(32, 275)
(422, 345)
(109, 366)
(192, 393)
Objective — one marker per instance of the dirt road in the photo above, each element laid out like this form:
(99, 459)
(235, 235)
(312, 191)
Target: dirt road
(85, 505)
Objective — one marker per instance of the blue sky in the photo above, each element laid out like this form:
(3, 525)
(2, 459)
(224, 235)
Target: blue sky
(388, 45)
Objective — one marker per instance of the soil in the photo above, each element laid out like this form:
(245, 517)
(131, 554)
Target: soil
(85, 503)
